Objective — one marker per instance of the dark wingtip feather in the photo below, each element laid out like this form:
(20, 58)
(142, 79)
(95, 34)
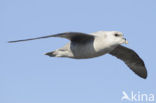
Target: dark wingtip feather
(140, 70)
(144, 76)
(10, 41)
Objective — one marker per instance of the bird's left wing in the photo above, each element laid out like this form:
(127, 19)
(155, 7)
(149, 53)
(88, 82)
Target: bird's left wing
(133, 61)
(73, 36)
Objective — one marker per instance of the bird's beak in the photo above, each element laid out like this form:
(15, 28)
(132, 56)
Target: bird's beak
(126, 42)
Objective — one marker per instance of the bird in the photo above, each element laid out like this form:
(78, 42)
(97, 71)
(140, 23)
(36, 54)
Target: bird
(90, 45)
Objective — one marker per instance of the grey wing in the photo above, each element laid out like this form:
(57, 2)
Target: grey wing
(73, 36)
(133, 61)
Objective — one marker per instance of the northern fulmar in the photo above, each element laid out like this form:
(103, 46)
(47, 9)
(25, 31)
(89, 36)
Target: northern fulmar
(84, 45)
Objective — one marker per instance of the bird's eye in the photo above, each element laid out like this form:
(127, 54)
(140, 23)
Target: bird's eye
(116, 35)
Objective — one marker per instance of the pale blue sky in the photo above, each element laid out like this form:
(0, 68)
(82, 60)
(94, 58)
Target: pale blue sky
(28, 76)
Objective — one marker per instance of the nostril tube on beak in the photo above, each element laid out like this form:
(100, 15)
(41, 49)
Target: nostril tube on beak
(126, 42)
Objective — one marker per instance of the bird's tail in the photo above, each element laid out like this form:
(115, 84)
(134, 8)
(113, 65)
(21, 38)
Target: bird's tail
(51, 54)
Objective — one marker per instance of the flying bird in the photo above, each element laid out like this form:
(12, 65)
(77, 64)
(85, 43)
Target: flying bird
(89, 45)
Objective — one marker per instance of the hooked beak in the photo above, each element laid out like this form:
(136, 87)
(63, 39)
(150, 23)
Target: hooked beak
(126, 42)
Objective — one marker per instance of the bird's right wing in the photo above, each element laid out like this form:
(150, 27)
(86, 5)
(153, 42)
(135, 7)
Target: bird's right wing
(133, 61)
(73, 36)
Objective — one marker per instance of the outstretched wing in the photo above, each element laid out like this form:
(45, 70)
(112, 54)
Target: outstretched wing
(133, 61)
(73, 36)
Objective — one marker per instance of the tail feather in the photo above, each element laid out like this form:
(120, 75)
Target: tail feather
(51, 54)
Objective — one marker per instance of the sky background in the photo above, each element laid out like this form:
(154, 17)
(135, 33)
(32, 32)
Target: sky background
(28, 76)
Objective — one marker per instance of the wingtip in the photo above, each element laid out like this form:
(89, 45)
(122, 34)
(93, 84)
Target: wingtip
(12, 41)
(144, 77)
(143, 74)
(141, 71)
(9, 42)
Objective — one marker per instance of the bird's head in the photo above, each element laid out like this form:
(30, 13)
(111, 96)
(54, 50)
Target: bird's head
(115, 37)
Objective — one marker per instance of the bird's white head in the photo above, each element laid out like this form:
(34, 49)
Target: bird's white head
(115, 37)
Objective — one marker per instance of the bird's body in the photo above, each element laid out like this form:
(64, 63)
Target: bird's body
(83, 46)
(101, 44)
(82, 51)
